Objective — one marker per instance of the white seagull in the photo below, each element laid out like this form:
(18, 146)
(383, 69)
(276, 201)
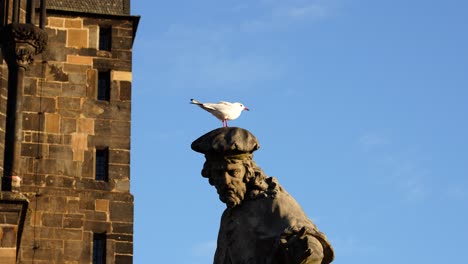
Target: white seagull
(224, 111)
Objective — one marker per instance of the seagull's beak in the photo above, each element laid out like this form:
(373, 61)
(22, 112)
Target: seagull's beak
(245, 108)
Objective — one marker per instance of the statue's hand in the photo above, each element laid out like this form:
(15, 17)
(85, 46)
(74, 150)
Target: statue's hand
(297, 246)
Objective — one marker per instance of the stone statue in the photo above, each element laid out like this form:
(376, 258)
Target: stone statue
(262, 223)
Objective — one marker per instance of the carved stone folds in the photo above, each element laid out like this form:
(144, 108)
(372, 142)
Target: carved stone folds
(21, 42)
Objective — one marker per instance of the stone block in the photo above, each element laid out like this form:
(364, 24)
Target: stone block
(125, 91)
(77, 38)
(124, 248)
(59, 181)
(87, 167)
(117, 65)
(36, 218)
(122, 186)
(60, 233)
(54, 72)
(51, 166)
(73, 205)
(52, 220)
(31, 121)
(69, 103)
(119, 156)
(73, 249)
(70, 113)
(102, 127)
(71, 223)
(74, 90)
(120, 237)
(122, 228)
(102, 205)
(75, 68)
(30, 88)
(86, 126)
(91, 81)
(55, 22)
(77, 77)
(50, 89)
(67, 126)
(124, 43)
(121, 211)
(120, 128)
(96, 217)
(36, 104)
(79, 145)
(53, 204)
(52, 123)
(122, 55)
(123, 259)
(91, 184)
(119, 171)
(8, 255)
(124, 32)
(30, 150)
(97, 226)
(54, 139)
(121, 76)
(60, 152)
(83, 60)
(93, 36)
(73, 23)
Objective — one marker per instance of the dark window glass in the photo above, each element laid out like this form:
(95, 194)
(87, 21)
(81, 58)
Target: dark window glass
(99, 248)
(103, 86)
(102, 164)
(105, 38)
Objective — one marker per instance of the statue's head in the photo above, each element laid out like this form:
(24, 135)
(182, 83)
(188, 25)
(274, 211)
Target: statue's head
(229, 165)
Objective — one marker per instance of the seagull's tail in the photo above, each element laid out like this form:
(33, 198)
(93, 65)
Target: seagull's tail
(193, 101)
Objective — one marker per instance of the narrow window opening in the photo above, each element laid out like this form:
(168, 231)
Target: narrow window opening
(99, 248)
(102, 164)
(105, 38)
(104, 83)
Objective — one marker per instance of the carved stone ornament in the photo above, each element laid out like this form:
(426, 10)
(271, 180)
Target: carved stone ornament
(21, 42)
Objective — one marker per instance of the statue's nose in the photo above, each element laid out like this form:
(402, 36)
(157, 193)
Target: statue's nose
(226, 178)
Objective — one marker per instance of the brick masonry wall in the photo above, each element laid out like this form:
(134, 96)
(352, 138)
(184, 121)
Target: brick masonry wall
(63, 123)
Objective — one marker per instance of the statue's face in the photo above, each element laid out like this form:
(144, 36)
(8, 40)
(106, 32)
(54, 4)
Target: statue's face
(228, 178)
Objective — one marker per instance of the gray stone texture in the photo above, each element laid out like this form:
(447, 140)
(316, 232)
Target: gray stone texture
(262, 223)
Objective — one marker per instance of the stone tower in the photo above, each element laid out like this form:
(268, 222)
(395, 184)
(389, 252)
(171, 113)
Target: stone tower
(65, 100)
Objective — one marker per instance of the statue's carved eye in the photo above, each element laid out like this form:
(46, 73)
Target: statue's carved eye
(235, 172)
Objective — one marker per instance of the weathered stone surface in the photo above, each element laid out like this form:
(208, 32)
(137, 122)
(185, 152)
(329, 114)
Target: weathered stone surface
(74, 90)
(121, 211)
(122, 228)
(125, 90)
(123, 259)
(226, 141)
(262, 223)
(63, 123)
(119, 156)
(35, 104)
(52, 220)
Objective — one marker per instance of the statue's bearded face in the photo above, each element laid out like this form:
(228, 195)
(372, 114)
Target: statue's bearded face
(228, 178)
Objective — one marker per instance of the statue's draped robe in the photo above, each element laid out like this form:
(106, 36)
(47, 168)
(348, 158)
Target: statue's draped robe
(250, 232)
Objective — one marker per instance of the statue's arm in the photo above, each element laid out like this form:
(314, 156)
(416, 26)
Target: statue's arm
(298, 246)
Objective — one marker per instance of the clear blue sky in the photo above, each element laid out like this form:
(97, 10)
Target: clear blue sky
(360, 107)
